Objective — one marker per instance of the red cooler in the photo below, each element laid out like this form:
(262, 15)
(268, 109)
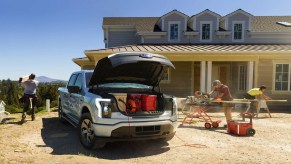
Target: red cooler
(148, 102)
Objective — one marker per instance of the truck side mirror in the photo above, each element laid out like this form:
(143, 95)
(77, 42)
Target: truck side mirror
(73, 89)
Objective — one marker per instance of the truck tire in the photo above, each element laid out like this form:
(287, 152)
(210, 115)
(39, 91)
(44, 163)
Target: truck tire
(86, 133)
(61, 113)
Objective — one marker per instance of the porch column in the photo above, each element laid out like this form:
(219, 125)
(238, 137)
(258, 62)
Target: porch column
(250, 75)
(202, 76)
(209, 75)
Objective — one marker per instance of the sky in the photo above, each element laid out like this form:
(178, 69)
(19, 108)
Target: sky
(43, 36)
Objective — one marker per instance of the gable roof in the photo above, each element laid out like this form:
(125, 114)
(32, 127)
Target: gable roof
(206, 11)
(237, 11)
(174, 12)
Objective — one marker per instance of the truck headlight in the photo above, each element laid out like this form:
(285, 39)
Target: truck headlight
(106, 109)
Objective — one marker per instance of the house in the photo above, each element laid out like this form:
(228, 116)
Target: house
(240, 49)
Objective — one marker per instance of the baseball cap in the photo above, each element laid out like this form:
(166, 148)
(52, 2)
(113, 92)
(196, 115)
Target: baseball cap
(215, 82)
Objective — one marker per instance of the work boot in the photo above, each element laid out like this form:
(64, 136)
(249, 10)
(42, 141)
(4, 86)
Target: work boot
(23, 118)
(32, 117)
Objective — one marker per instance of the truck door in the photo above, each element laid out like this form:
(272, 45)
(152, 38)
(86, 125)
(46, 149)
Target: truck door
(76, 99)
(65, 96)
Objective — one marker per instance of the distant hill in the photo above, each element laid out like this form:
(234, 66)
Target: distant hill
(44, 79)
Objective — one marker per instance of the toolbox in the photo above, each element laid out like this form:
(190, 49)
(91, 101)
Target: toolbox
(242, 128)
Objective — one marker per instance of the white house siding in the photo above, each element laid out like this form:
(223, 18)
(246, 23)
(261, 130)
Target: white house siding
(121, 38)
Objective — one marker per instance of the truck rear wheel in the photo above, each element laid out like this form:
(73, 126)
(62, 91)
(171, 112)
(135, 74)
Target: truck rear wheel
(87, 135)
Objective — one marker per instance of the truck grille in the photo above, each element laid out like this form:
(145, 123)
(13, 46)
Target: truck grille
(147, 130)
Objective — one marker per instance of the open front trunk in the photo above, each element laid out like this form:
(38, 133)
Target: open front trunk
(140, 104)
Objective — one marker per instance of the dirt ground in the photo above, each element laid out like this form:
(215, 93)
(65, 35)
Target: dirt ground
(46, 140)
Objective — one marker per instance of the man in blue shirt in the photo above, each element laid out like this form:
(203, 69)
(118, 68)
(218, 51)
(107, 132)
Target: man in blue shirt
(29, 97)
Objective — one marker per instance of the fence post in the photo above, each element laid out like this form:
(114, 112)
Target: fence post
(47, 106)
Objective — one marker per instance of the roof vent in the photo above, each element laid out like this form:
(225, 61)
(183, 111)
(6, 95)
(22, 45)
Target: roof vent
(287, 24)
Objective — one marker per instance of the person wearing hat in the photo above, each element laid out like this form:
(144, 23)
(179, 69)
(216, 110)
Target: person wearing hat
(225, 95)
(29, 96)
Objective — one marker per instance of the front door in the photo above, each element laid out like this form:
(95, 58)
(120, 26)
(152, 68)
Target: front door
(221, 72)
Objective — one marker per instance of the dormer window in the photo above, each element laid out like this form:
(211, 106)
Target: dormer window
(173, 31)
(205, 31)
(238, 31)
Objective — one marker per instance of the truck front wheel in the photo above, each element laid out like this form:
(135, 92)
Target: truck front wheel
(86, 133)
(61, 113)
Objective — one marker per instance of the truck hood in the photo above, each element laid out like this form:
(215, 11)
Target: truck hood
(142, 68)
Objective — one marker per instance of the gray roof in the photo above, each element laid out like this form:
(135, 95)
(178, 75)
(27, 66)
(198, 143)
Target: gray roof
(269, 23)
(148, 24)
(142, 24)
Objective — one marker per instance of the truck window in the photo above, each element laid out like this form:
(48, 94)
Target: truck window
(88, 76)
(79, 80)
(72, 80)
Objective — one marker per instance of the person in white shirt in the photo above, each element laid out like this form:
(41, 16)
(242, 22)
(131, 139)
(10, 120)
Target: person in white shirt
(29, 96)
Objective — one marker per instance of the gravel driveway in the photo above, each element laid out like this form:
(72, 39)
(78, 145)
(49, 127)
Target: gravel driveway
(46, 140)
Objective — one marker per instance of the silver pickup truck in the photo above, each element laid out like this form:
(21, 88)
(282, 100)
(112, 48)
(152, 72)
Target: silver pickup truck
(120, 100)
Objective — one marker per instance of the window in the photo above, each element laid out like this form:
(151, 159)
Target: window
(205, 31)
(79, 81)
(174, 29)
(72, 80)
(242, 75)
(282, 77)
(238, 31)
(166, 77)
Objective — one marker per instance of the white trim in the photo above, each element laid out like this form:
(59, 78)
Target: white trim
(169, 32)
(250, 75)
(211, 27)
(243, 31)
(209, 75)
(202, 76)
(274, 76)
